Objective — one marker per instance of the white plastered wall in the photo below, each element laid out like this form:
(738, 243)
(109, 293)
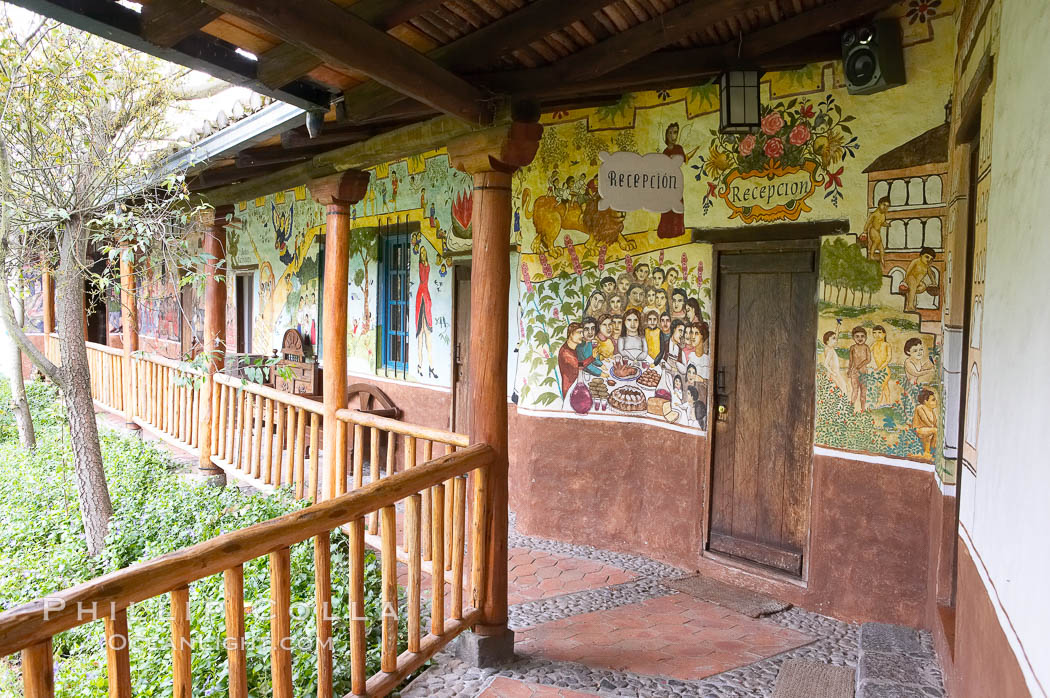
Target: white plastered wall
(1007, 509)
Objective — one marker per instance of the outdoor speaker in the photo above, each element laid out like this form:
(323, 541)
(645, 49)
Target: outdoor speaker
(872, 57)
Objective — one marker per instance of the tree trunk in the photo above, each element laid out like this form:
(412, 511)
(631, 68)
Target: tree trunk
(93, 493)
(19, 403)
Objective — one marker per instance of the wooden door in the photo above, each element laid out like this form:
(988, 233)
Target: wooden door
(764, 403)
(461, 351)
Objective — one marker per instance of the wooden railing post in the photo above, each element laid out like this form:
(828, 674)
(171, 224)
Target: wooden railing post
(38, 673)
(129, 323)
(491, 157)
(214, 331)
(336, 193)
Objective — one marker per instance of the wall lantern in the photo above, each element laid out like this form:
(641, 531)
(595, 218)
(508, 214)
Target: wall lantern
(740, 101)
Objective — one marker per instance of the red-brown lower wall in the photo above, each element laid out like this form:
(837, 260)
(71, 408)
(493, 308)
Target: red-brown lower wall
(635, 488)
(619, 486)
(983, 663)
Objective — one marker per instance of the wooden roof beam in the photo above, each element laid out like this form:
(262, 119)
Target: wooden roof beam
(167, 22)
(796, 40)
(518, 28)
(642, 39)
(387, 14)
(664, 70)
(344, 40)
(198, 51)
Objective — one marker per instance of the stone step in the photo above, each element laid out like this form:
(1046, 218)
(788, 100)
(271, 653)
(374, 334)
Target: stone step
(895, 661)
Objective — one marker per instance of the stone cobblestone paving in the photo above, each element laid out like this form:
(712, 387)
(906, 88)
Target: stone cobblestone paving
(826, 640)
(502, 687)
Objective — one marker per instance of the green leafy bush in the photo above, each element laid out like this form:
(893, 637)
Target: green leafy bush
(156, 511)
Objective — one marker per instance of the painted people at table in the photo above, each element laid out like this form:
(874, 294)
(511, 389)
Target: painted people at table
(705, 336)
(616, 305)
(657, 277)
(918, 369)
(831, 362)
(623, 283)
(641, 274)
(859, 358)
(652, 334)
(674, 359)
(925, 419)
(665, 337)
(656, 299)
(671, 280)
(597, 305)
(604, 344)
(569, 364)
(631, 344)
(699, 405)
(678, 298)
(587, 347)
(636, 297)
(617, 328)
(692, 310)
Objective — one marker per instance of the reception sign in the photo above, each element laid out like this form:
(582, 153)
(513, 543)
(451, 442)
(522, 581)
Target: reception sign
(773, 194)
(632, 182)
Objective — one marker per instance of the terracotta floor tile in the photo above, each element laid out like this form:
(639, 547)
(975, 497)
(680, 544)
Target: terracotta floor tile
(534, 574)
(676, 636)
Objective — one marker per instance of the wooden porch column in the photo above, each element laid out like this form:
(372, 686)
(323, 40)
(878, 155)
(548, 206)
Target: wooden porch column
(47, 290)
(491, 157)
(129, 322)
(337, 193)
(214, 339)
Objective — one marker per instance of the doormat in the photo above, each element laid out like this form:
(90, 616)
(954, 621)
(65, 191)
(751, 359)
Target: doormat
(740, 600)
(799, 678)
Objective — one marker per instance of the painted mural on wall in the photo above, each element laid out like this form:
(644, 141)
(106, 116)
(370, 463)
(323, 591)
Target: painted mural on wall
(159, 311)
(33, 301)
(801, 148)
(432, 202)
(278, 235)
(819, 154)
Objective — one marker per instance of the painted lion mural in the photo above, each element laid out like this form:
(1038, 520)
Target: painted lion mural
(550, 216)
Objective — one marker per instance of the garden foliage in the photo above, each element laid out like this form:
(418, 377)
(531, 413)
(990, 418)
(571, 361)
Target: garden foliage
(155, 511)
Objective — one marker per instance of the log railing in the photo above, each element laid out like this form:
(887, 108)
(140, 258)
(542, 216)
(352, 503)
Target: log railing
(168, 398)
(31, 627)
(106, 365)
(51, 349)
(266, 437)
(381, 439)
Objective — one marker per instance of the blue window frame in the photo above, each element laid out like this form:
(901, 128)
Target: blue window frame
(393, 301)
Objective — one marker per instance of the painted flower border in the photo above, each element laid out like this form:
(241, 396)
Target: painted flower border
(790, 134)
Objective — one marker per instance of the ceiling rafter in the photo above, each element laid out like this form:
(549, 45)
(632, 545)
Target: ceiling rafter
(198, 51)
(804, 35)
(167, 22)
(349, 42)
(515, 29)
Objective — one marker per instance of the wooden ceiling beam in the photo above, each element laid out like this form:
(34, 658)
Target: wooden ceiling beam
(645, 38)
(276, 155)
(167, 22)
(387, 14)
(198, 51)
(518, 28)
(284, 63)
(666, 70)
(221, 176)
(332, 137)
(796, 40)
(345, 41)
